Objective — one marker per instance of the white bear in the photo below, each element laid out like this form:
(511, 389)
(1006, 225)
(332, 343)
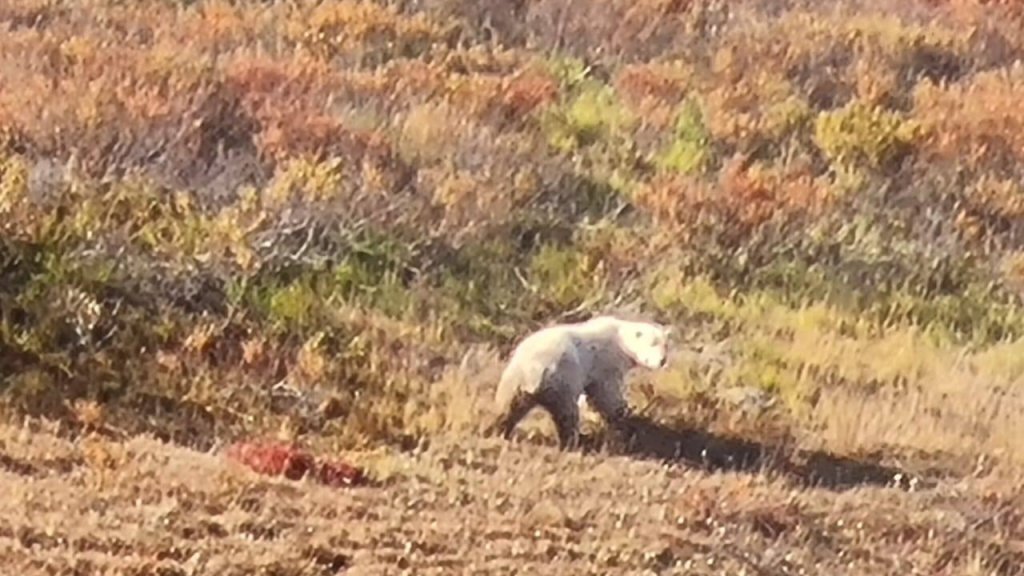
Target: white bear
(556, 366)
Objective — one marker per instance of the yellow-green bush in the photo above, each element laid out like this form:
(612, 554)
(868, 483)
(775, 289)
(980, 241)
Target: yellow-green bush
(565, 277)
(859, 136)
(592, 113)
(689, 150)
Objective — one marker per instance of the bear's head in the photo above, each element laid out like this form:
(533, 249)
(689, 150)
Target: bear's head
(645, 342)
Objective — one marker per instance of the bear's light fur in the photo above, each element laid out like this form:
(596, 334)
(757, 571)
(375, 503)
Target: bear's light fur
(556, 366)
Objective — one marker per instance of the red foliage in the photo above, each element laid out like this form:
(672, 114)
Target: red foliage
(272, 459)
(527, 91)
(278, 459)
(337, 473)
(660, 82)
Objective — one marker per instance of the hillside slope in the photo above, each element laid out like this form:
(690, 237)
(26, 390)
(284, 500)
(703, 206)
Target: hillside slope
(329, 222)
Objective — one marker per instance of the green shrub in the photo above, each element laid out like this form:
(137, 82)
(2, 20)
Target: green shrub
(591, 114)
(565, 277)
(690, 148)
(296, 305)
(859, 136)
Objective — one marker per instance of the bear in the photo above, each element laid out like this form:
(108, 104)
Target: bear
(557, 366)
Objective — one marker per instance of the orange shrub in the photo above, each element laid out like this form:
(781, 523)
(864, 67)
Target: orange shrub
(831, 58)
(527, 91)
(299, 81)
(219, 26)
(113, 104)
(660, 82)
(760, 109)
(288, 99)
(408, 80)
(503, 99)
(746, 196)
(992, 210)
(652, 92)
(266, 85)
(367, 33)
(294, 133)
(977, 123)
(476, 95)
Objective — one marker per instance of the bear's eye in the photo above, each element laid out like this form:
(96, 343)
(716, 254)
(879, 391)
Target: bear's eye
(639, 334)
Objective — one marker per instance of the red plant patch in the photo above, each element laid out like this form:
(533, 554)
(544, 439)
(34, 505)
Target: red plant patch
(337, 473)
(278, 459)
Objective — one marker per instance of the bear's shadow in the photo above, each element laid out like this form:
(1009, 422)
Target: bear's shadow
(645, 439)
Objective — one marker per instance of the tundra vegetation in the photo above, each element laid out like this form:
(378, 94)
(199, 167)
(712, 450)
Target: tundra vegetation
(328, 222)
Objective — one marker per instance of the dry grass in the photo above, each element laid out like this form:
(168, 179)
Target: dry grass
(100, 507)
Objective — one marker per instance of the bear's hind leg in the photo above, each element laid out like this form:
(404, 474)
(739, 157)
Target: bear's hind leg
(566, 414)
